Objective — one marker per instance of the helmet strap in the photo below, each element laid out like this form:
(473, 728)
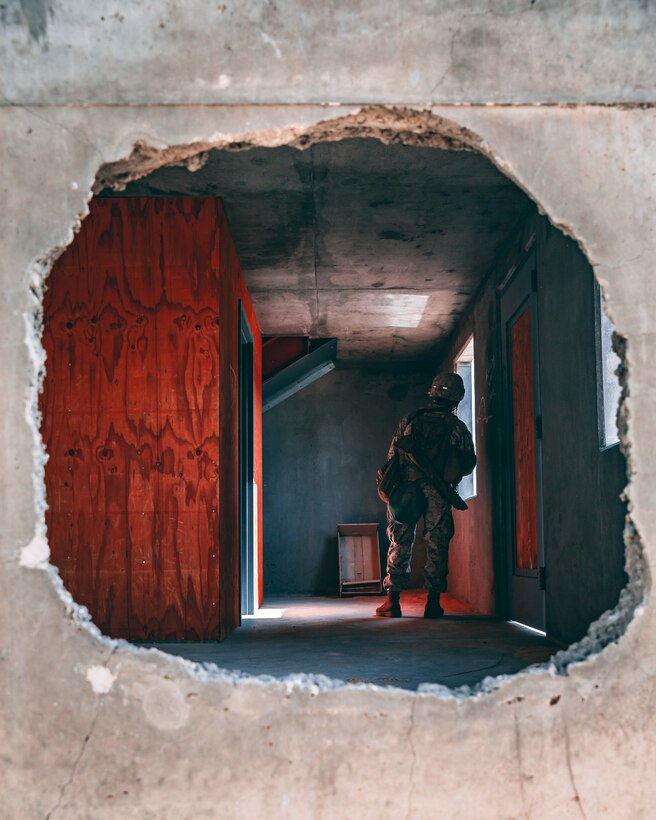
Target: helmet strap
(444, 403)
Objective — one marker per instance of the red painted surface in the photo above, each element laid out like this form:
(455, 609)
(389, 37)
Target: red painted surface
(139, 330)
(280, 351)
(526, 537)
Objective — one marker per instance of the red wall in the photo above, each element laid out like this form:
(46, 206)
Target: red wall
(473, 565)
(140, 331)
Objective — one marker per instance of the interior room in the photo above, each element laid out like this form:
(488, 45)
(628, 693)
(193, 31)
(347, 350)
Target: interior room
(230, 350)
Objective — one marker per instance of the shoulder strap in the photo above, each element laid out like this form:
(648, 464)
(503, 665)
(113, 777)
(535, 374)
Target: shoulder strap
(421, 412)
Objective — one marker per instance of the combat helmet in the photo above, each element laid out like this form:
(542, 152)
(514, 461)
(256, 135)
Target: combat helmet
(447, 387)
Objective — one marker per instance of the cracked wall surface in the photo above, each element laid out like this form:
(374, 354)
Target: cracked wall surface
(153, 736)
(365, 51)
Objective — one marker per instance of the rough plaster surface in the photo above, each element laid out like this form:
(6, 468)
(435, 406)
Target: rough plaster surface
(287, 51)
(171, 740)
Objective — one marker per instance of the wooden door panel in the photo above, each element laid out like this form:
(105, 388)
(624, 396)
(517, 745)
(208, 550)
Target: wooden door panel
(131, 416)
(188, 254)
(189, 519)
(518, 313)
(521, 355)
(59, 486)
(142, 569)
(156, 605)
(123, 252)
(188, 357)
(141, 375)
(64, 470)
(101, 540)
(91, 558)
(188, 463)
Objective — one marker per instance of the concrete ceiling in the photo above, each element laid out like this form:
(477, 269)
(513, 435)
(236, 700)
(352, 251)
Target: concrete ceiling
(380, 246)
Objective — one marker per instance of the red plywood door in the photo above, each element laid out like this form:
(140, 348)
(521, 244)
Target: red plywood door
(523, 413)
(523, 425)
(131, 417)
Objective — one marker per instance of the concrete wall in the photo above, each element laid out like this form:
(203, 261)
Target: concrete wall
(583, 512)
(93, 728)
(360, 51)
(322, 448)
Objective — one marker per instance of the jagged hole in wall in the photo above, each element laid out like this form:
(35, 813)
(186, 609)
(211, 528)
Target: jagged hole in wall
(385, 229)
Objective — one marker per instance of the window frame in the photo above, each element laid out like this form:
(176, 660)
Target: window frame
(467, 355)
(601, 376)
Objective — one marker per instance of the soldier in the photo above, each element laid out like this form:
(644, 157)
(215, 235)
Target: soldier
(432, 450)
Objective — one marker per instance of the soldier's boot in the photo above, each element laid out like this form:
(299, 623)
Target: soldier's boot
(391, 606)
(433, 607)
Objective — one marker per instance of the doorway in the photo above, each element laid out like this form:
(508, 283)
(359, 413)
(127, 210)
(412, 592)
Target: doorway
(523, 444)
(247, 540)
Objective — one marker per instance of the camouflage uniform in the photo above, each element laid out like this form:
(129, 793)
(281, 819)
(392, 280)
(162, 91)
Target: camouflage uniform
(438, 519)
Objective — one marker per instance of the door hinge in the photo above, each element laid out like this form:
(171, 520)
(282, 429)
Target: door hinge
(538, 427)
(542, 577)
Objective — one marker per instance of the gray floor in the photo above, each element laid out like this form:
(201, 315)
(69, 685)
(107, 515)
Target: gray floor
(341, 639)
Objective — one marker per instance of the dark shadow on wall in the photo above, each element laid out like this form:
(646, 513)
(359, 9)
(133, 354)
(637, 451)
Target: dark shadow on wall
(327, 578)
(582, 483)
(322, 448)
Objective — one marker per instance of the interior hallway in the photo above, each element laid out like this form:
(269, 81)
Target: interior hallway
(340, 638)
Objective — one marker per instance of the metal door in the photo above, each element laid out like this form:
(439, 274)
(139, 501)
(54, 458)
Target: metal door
(523, 446)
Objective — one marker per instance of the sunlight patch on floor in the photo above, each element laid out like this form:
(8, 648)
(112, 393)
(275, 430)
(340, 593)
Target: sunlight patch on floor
(264, 614)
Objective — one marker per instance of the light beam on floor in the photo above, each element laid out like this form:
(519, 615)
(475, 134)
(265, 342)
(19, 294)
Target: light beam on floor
(264, 614)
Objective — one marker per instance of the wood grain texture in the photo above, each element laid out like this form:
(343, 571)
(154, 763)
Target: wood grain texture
(131, 416)
(526, 537)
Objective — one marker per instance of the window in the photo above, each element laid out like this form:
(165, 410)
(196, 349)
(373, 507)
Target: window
(608, 386)
(466, 409)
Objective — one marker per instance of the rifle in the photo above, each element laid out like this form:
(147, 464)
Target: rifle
(445, 490)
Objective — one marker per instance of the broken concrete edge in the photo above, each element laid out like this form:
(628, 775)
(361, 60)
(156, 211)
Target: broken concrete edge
(102, 679)
(390, 125)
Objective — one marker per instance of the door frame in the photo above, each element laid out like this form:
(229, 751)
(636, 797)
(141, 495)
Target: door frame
(247, 546)
(525, 589)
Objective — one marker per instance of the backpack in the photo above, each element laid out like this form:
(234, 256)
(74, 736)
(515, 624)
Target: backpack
(389, 477)
(448, 461)
(443, 464)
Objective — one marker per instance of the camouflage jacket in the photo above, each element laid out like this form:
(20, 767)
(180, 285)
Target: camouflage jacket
(428, 429)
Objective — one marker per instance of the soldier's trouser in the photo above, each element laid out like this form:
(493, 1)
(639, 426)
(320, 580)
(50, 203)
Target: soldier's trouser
(438, 532)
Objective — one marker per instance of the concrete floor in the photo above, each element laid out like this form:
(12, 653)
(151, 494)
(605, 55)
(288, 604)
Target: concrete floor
(341, 639)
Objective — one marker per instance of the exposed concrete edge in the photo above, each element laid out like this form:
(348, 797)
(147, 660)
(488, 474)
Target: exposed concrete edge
(621, 103)
(393, 125)
(347, 105)
(389, 125)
